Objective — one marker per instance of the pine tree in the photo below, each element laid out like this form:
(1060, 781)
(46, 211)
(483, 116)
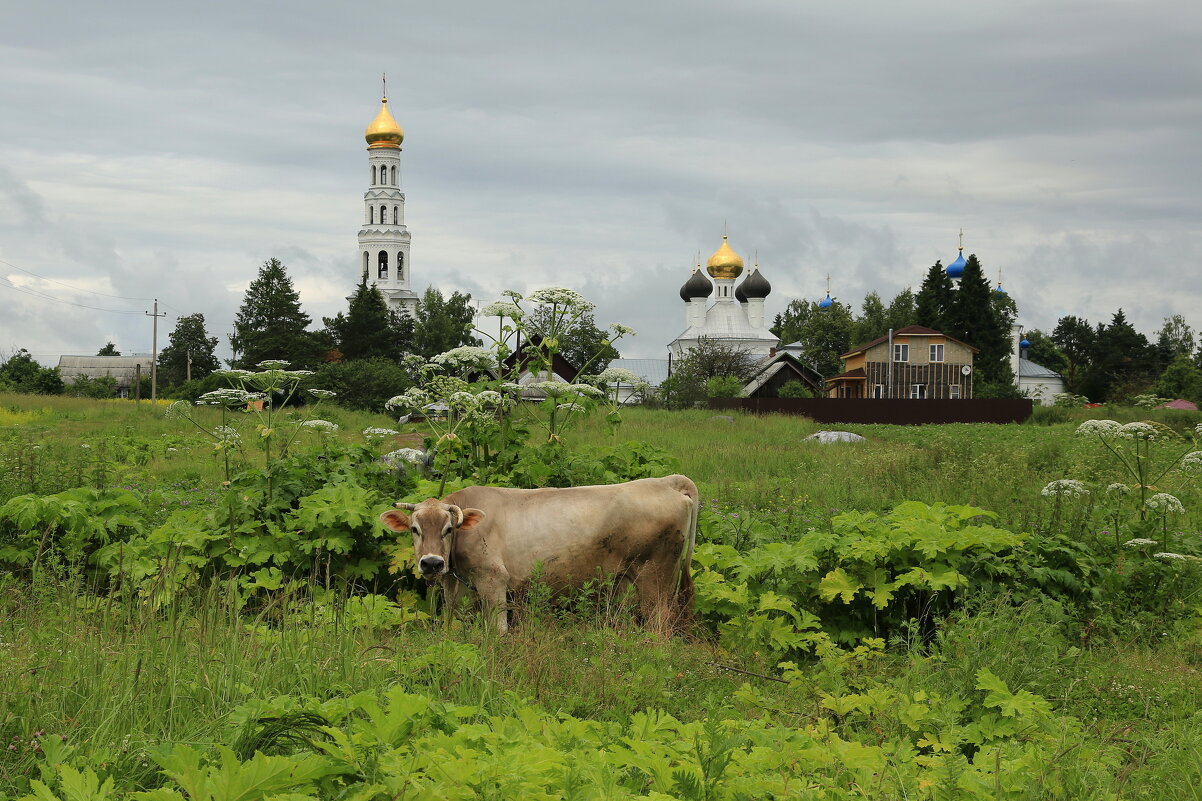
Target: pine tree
(443, 323)
(934, 300)
(369, 329)
(188, 338)
(271, 325)
(974, 320)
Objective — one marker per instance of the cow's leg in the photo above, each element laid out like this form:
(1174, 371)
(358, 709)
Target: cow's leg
(653, 583)
(492, 585)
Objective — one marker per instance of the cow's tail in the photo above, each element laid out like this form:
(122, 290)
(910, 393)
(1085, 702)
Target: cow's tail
(684, 589)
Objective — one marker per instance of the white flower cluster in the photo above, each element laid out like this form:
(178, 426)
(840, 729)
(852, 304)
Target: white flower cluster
(323, 426)
(1118, 489)
(407, 455)
(227, 434)
(180, 410)
(1102, 428)
(1166, 555)
(1139, 542)
(502, 308)
(411, 399)
(1068, 487)
(273, 364)
(466, 357)
(620, 330)
(379, 432)
(235, 374)
(1192, 462)
(1142, 431)
(620, 375)
(322, 393)
(558, 296)
(560, 389)
(229, 397)
(1198, 429)
(1165, 503)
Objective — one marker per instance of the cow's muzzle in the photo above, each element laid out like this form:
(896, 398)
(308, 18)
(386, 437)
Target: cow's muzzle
(431, 565)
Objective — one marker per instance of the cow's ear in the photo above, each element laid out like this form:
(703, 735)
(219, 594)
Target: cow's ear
(397, 521)
(470, 518)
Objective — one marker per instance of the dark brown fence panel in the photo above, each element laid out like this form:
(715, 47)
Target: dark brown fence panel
(894, 411)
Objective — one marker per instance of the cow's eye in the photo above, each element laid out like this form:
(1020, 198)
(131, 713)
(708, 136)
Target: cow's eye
(446, 531)
(417, 532)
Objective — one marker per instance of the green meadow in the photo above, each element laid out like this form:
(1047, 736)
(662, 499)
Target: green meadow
(917, 616)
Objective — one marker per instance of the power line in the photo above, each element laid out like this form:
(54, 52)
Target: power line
(69, 286)
(34, 293)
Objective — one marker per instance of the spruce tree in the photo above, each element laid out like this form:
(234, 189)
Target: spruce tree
(369, 329)
(934, 300)
(1122, 361)
(974, 320)
(188, 338)
(271, 325)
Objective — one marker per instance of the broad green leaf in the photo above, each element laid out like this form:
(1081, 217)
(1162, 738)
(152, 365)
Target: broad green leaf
(838, 583)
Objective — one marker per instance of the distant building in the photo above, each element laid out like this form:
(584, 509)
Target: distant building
(914, 362)
(122, 368)
(651, 371)
(1035, 381)
(736, 318)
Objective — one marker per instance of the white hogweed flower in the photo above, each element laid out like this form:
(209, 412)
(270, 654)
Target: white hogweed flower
(273, 364)
(1192, 461)
(1166, 555)
(1142, 431)
(502, 308)
(1139, 542)
(324, 426)
(322, 393)
(619, 375)
(1118, 489)
(555, 295)
(1102, 428)
(621, 330)
(225, 397)
(1169, 504)
(410, 399)
(1068, 487)
(379, 432)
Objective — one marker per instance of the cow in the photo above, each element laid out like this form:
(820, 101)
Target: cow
(494, 540)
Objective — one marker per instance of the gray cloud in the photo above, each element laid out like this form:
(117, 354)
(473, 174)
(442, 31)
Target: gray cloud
(150, 149)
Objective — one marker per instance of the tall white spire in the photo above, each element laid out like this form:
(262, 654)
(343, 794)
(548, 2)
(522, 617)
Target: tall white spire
(384, 239)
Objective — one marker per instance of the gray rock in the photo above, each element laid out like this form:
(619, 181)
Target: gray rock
(827, 437)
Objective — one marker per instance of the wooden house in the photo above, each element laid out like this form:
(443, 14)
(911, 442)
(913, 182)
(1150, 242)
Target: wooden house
(914, 362)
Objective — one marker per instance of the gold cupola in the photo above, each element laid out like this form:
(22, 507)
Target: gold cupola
(384, 131)
(725, 263)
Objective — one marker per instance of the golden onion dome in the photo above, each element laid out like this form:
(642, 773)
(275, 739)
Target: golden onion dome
(725, 263)
(384, 131)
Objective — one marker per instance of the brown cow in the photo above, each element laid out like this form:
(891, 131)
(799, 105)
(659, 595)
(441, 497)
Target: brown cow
(493, 540)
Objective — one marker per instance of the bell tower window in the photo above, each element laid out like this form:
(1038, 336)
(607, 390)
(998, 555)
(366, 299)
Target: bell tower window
(400, 266)
(366, 264)
(395, 215)
(373, 174)
(393, 169)
(382, 274)
(371, 214)
(383, 215)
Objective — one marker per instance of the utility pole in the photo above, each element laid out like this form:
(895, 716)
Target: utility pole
(188, 376)
(154, 354)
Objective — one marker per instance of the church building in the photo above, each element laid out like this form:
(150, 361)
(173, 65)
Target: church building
(736, 318)
(384, 239)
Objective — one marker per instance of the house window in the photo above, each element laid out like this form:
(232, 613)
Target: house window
(901, 352)
(878, 391)
(953, 391)
(937, 353)
(918, 391)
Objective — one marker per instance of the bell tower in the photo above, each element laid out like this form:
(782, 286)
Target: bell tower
(384, 239)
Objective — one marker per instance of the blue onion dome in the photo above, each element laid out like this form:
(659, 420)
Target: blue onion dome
(1026, 343)
(755, 285)
(956, 268)
(999, 290)
(698, 286)
(826, 302)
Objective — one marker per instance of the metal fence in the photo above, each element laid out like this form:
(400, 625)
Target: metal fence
(895, 411)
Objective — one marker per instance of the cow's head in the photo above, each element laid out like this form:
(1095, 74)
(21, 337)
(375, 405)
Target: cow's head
(433, 524)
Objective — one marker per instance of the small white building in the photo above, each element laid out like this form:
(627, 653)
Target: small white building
(736, 318)
(1035, 381)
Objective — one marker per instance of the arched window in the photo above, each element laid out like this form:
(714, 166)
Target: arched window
(400, 266)
(371, 214)
(373, 174)
(383, 215)
(383, 271)
(396, 218)
(394, 176)
(366, 264)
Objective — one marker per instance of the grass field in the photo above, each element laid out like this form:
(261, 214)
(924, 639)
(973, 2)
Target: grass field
(1062, 667)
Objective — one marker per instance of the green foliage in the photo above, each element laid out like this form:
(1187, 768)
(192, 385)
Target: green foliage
(794, 389)
(109, 349)
(823, 333)
(270, 324)
(20, 373)
(1075, 338)
(67, 526)
(974, 319)
(723, 386)
(1181, 379)
(189, 340)
(104, 386)
(687, 385)
(370, 329)
(443, 323)
(364, 384)
(580, 342)
(933, 304)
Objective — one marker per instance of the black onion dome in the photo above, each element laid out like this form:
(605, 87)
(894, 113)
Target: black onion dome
(755, 285)
(698, 286)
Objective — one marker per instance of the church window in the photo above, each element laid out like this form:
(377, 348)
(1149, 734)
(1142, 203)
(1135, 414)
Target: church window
(383, 271)
(366, 264)
(400, 266)
(373, 174)
(393, 175)
(371, 214)
(395, 215)
(383, 215)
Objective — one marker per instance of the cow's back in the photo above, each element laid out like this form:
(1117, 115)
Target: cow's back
(576, 532)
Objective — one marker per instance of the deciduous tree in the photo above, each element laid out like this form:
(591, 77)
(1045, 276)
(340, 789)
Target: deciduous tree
(443, 323)
(189, 339)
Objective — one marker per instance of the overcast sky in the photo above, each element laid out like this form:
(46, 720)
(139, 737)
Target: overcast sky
(162, 149)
